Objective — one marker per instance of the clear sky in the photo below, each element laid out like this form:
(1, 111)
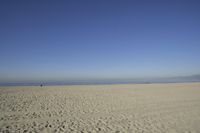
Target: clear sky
(98, 39)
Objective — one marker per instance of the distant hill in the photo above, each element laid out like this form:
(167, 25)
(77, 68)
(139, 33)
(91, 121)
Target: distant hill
(192, 78)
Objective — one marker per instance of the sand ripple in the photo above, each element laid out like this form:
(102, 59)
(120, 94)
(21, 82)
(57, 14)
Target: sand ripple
(150, 108)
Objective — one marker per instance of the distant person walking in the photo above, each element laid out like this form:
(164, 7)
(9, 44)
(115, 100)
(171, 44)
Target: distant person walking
(41, 85)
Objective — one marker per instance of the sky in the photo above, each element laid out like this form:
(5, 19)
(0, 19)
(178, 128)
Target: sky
(44, 40)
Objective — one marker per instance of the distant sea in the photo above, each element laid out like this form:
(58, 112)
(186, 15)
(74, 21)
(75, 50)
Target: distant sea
(102, 82)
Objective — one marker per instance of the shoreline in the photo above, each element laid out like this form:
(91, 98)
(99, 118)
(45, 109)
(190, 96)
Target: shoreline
(89, 84)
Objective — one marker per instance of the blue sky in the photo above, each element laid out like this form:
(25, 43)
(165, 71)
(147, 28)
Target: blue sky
(101, 39)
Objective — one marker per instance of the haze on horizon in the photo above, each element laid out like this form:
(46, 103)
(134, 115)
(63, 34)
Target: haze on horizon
(83, 40)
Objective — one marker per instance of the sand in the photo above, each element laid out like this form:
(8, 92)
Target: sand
(136, 108)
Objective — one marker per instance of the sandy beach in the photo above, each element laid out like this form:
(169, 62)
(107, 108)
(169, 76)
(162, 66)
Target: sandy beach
(127, 108)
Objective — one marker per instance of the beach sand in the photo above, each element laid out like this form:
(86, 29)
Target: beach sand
(134, 108)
